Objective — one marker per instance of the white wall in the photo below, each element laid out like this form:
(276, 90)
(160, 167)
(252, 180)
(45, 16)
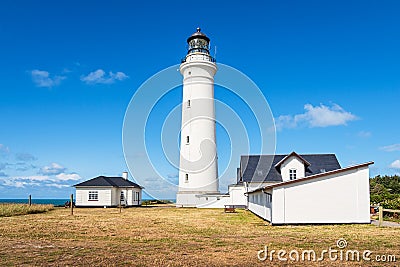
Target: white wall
(336, 198)
(235, 197)
(132, 198)
(292, 163)
(104, 197)
(108, 196)
(213, 202)
(115, 195)
(259, 205)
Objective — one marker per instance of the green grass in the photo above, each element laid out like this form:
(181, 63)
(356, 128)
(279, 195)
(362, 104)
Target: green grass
(9, 209)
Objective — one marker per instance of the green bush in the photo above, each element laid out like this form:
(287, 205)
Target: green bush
(386, 191)
(393, 204)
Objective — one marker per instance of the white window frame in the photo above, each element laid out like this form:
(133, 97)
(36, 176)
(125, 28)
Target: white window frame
(293, 174)
(93, 196)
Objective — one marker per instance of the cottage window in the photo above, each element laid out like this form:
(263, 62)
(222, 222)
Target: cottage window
(93, 195)
(122, 198)
(269, 198)
(293, 174)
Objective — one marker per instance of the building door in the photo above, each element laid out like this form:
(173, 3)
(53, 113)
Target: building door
(122, 199)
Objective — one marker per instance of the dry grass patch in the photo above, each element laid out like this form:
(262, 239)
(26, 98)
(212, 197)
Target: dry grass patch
(170, 237)
(11, 209)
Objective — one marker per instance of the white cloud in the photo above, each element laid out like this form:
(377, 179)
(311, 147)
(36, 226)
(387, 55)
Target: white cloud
(48, 178)
(52, 169)
(68, 176)
(25, 157)
(4, 149)
(18, 183)
(3, 165)
(39, 178)
(53, 175)
(391, 148)
(57, 185)
(395, 164)
(364, 134)
(318, 116)
(159, 188)
(42, 78)
(99, 76)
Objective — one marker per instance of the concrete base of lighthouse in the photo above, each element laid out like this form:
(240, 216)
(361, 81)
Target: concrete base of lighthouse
(191, 199)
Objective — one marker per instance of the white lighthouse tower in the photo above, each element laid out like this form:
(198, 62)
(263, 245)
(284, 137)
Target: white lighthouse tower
(198, 171)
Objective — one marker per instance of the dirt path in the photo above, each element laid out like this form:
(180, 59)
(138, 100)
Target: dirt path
(386, 223)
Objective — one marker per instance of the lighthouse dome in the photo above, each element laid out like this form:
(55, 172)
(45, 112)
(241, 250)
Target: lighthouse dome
(198, 35)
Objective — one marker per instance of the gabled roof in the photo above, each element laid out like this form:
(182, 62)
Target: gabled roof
(311, 177)
(261, 168)
(102, 181)
(293, 154)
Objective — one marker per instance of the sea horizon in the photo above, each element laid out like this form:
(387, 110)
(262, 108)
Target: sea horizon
(54, 201)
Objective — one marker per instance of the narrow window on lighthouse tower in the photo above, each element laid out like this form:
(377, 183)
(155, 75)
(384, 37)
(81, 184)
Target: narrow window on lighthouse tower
(188, 103)
(187, 139)
(186, 178)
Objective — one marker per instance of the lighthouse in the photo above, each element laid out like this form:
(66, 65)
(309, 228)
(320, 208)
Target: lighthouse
(198, 169)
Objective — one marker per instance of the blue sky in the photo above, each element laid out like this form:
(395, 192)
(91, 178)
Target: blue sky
(330, 71)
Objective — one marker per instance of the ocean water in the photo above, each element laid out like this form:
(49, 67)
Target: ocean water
(55, 202)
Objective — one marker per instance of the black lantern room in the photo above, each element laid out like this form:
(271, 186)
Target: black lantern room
(198, 42)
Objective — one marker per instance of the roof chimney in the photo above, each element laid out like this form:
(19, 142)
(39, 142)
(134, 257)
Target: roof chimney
(125, 175)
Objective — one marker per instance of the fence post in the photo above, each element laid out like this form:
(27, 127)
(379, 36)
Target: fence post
(72, 204)
(380, 216)
(30, 200)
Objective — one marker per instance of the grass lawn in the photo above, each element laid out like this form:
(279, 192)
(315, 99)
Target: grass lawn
(159, 236)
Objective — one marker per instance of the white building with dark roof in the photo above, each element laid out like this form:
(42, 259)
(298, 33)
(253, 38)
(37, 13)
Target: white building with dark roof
(108, 192)
(306, 189)
(299, 189)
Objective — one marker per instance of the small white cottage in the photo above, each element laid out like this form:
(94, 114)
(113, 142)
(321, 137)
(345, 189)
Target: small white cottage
(108, 192)
(307, 189)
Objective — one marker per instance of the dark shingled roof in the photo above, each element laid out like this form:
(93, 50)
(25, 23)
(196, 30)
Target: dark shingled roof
(254, 168)
(108, 182)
